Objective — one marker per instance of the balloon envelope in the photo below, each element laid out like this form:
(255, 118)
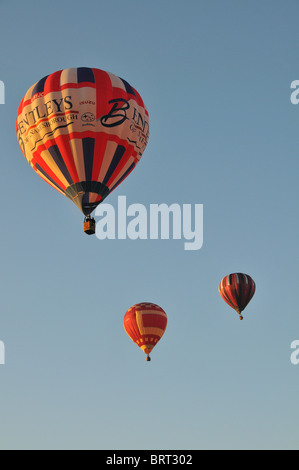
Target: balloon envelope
(237, 290)
(83, 130)
(145, 323)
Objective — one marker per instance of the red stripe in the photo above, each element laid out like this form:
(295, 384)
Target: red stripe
(120, 93)
(104, 92)
(77, 85)
(231, 294)
(20, 109)
(52, 83)
(154, 321)
(26, 103)
(130, 325)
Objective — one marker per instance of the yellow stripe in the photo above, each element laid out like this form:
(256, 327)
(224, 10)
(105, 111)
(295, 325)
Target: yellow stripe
(108, 155)
(151, 312)
(153, 331)
(48, 159)
(147, 348)
(77, 152)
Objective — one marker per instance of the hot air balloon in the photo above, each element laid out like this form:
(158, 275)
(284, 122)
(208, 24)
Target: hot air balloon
(83, 130)
(237, 290)
(145, 323)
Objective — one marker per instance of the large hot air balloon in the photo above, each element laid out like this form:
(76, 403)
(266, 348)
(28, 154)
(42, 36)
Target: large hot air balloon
(83, 131)
(145, 323)
(237, 290)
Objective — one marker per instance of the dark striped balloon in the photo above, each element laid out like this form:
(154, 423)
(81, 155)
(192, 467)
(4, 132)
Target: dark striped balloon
(237, 290)
(83, 130)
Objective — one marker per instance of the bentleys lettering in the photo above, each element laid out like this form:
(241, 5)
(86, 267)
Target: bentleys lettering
(42, 111)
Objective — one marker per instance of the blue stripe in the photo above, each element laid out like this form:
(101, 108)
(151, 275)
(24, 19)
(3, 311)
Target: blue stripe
(128, 87)
(88, 154)
(119, 153)
(85, 74)
(57, 157)
(39, 87)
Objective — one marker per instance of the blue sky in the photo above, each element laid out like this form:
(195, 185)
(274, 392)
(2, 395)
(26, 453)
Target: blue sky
(215, 77)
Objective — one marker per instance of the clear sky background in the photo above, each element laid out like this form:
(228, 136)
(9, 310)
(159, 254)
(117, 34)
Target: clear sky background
(215, 77)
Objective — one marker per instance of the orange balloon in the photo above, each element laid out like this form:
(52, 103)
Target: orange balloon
(145, 324)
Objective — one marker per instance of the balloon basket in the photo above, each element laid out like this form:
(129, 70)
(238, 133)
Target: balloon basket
(148, 359)
(89, 226)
